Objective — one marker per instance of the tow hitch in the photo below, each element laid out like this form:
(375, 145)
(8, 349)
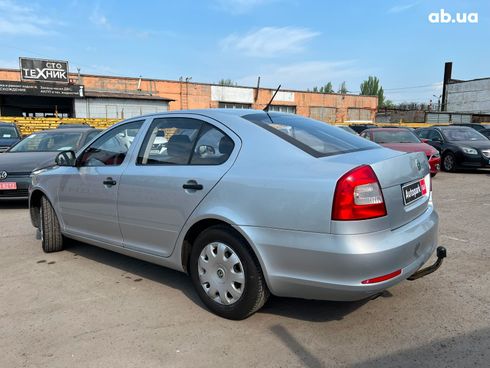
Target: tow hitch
(441, 254)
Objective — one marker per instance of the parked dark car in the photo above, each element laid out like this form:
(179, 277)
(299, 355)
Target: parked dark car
(459, 146)
(359, 128)
(9, 135)
(347, 129)
(480, 128)
(36, 151)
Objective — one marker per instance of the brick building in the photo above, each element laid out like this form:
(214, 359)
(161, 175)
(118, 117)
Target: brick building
(95, 96)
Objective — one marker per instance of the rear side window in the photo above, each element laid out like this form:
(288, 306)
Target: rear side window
(184, 141)
(314, 137)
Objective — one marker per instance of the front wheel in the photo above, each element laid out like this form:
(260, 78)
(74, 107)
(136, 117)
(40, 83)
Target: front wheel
(449, 162)
(51, 237)
(226, 275)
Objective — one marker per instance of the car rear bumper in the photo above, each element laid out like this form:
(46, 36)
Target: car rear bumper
(22, 190)
(332, 267)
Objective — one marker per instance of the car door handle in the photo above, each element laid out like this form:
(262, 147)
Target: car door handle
(109, 182)
(192, 185)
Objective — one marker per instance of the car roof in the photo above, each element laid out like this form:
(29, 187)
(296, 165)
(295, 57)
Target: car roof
(6, 123)
(381, 128)
(212, 112)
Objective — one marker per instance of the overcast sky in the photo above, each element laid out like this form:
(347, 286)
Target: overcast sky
(296, 43)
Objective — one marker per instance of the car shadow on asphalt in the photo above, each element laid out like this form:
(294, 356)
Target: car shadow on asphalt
(307, 310)
(314, 310)
(464, 350)
(474, 171)
(13, 204)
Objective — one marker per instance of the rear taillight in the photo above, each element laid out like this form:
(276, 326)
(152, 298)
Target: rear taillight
(358, 196)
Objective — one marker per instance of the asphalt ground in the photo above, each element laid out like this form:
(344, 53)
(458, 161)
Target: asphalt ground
(88, 307)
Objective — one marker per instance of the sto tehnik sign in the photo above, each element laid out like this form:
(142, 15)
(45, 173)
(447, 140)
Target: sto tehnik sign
(40, 70)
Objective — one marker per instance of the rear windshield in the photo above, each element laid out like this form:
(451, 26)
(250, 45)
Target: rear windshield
(8, 132)
(314, 137)
(394, 136)
(48, 142)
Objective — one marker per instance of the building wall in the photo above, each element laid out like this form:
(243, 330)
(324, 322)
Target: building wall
(470, 96)
(202, 96)
(116, 108)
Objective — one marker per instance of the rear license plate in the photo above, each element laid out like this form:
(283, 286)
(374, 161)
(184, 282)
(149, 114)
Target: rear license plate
(412, 192)
(8, 186)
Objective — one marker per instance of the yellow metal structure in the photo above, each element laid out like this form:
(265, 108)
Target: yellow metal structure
(31, 125)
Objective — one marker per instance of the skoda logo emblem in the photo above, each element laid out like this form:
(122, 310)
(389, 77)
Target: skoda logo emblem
(418, 165)
(3, 175)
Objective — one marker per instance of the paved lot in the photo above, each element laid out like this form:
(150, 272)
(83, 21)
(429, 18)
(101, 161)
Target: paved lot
(87, 307)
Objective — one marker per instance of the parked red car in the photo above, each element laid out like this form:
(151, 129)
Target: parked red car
(402, 139)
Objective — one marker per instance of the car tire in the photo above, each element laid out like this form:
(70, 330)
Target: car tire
(51, 238)
(449, 162)
(220, 260)
(433, 175)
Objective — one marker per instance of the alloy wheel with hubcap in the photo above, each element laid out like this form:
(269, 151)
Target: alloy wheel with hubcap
(221, 273)
(226, 274)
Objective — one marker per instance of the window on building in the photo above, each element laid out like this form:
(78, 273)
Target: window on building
(355, 114)
(327, 114)
(283, 108)
(232, 105)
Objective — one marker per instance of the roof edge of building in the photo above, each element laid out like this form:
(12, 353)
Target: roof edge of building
(201, 83)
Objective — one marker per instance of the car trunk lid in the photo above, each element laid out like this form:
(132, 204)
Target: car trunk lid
(394, 170)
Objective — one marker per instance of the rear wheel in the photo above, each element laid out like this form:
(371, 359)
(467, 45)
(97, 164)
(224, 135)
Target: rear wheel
(449, 162)
(51, 237)
(226, 275)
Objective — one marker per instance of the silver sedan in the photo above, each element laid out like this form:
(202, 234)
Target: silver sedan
(247, 202)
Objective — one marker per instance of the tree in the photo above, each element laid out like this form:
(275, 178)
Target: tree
(342, 88)
(227, 82)
(388, 104)
(372, 87)
(327, 88)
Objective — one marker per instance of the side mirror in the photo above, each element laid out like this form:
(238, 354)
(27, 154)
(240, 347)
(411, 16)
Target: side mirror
(66, 158)
(424, 140)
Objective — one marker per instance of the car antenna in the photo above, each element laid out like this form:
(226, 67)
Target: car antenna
(266, 108)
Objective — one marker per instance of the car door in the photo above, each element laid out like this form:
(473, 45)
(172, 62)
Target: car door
(435, 139)
(159, 191)
(87, 193)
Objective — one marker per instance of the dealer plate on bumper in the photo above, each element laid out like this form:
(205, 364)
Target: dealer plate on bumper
(8, 186)
(413, 191)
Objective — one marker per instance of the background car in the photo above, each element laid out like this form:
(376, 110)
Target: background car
(347, 129)
(9, 135)
(247, 202)
(37, 150)
(360, 127)
(459, 146)
(402, 139)
(480, 128)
